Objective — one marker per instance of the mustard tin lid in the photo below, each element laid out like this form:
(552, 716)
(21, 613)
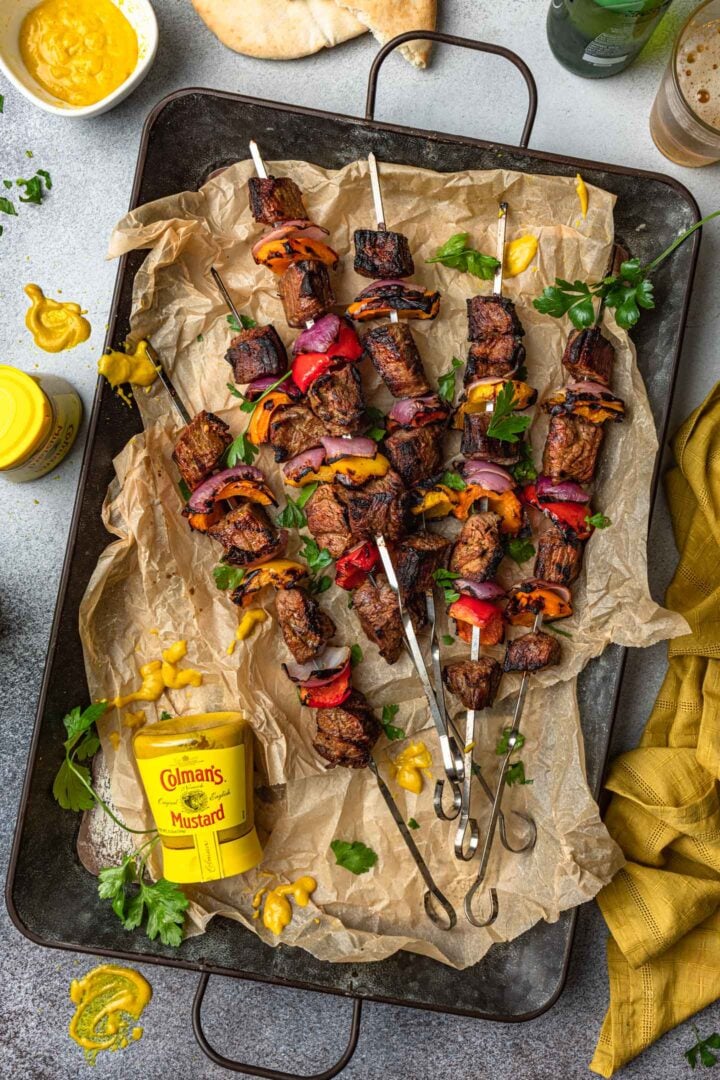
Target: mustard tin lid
(25, 416)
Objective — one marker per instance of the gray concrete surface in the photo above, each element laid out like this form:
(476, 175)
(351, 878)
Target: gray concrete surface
(61, 245)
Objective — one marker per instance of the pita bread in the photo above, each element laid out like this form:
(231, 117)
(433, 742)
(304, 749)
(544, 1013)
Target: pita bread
(278, 29)
(387, 20)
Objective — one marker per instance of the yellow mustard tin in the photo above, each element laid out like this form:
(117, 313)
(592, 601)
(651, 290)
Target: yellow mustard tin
(40, 417)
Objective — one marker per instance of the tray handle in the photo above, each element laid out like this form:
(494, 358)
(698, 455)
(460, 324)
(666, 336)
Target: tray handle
(260, 1070)
(462, 43)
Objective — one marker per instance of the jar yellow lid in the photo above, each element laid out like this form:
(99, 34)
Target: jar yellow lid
(25, 416)
(182, 865)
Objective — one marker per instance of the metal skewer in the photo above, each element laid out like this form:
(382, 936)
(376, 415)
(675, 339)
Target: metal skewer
(226, 295)
(379, 208)
(440, 811)
(169, 385)
(500, 252)
(497, 801)
(258, 160)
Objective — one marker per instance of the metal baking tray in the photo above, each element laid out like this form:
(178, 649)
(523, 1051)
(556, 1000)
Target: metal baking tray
(51, 898)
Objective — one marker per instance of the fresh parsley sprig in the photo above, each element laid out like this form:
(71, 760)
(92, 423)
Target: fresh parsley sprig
(520, 551)
(133, 899)
(228, 577)
(246, 323)
(446, 579)
(316, 557)
(392, 733)
(457, 254)
(504, 423)
(597, 520)
(293, 516)
(377, 425)
(240, 449)
(446, 382)
(625, 293)
(525, 472)
(453, 480)
(515, 771)
(702, 1050)
(355, 857)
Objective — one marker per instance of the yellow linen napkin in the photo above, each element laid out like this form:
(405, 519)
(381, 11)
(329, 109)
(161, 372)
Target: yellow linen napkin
(663, 907)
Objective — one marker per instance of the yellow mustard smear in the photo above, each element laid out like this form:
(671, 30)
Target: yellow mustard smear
(519, 253)
(276, 910)
(54, 324)
(582, 194)
(160, 675)
(409, 765)
(78, 50)
(252, 618)
(109, 1001)
(134, 367)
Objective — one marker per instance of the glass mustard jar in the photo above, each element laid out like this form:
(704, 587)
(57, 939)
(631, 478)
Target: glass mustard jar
(197, 772)
(40, 417)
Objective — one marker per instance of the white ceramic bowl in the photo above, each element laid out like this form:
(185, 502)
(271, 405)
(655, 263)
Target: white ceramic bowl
(139, 14)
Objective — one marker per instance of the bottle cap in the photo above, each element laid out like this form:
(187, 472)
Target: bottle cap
(25, 416)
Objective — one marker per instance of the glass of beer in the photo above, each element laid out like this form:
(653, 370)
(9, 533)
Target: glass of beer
(685, 117)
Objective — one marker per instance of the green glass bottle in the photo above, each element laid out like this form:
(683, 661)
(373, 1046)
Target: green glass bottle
(598, 38)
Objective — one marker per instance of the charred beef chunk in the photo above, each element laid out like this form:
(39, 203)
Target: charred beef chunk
(336, 399)
(349, 755)
(294, 428)
(476, 444)
(274, 199)
(475, 682)
(352, 724)
(328, 521)
(532, 652)
(588, 355)
(380, 254)
(415, 453)
(559, 558)
(498, 354)
(248, 536)
(478, 550)
(257, 352)
(489, 316)
(395, 356)
(416, 558)
(377, 609)
(571, 449)
(379, 506)
(305, 292)
(200, 447)
(304, 626)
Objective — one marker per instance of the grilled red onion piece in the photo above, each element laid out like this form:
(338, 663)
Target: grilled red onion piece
(566, 491)
(258, 387)
(560, 590)
(307, 461)
(306, 229)
(318, 337)
(481, 590)
(405, 410)
(585, 386)
(386, 283)
(358, 446)
(202, 499)
(323, 669)
(486, 474)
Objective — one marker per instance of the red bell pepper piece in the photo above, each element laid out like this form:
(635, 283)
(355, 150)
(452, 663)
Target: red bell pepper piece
(468, 611)
(348, 344)
(566, 515)
(352, 568)
(331, 694)
(308, 366)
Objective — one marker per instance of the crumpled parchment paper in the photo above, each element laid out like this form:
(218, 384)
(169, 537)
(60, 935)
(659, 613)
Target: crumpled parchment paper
(157, 575)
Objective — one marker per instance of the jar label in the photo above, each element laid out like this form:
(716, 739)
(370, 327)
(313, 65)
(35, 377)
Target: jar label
(197, 794)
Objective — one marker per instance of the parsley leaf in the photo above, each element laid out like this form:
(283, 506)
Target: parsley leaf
(572, 299)
(520, 551)
(320, 585)
(702, 1048)
(356, 655)
(33, 189)
(2, 103)
(77, 722)
(458, 255)
(69, 789)
(293, 516)
(448, 639)
(453, 480)
(378, 419)
(6, 207)
(164, 715)
(516, 774)
(503, 744)
(445, 578)
(228, 577)
(392, 733)
(598, 520)
(7, 183)
(234, 391)
(240, 449)
(413, 824)
(525, 472)
(246, 323)
(46, 177)
(446, 382)
(355, 856)
(184, 490)
(504, 423)
(376, 433)
(133, 899)
(316, 557)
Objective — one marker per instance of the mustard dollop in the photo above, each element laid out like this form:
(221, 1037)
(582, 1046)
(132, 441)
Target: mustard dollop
(54, 324)
(109, 1001)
